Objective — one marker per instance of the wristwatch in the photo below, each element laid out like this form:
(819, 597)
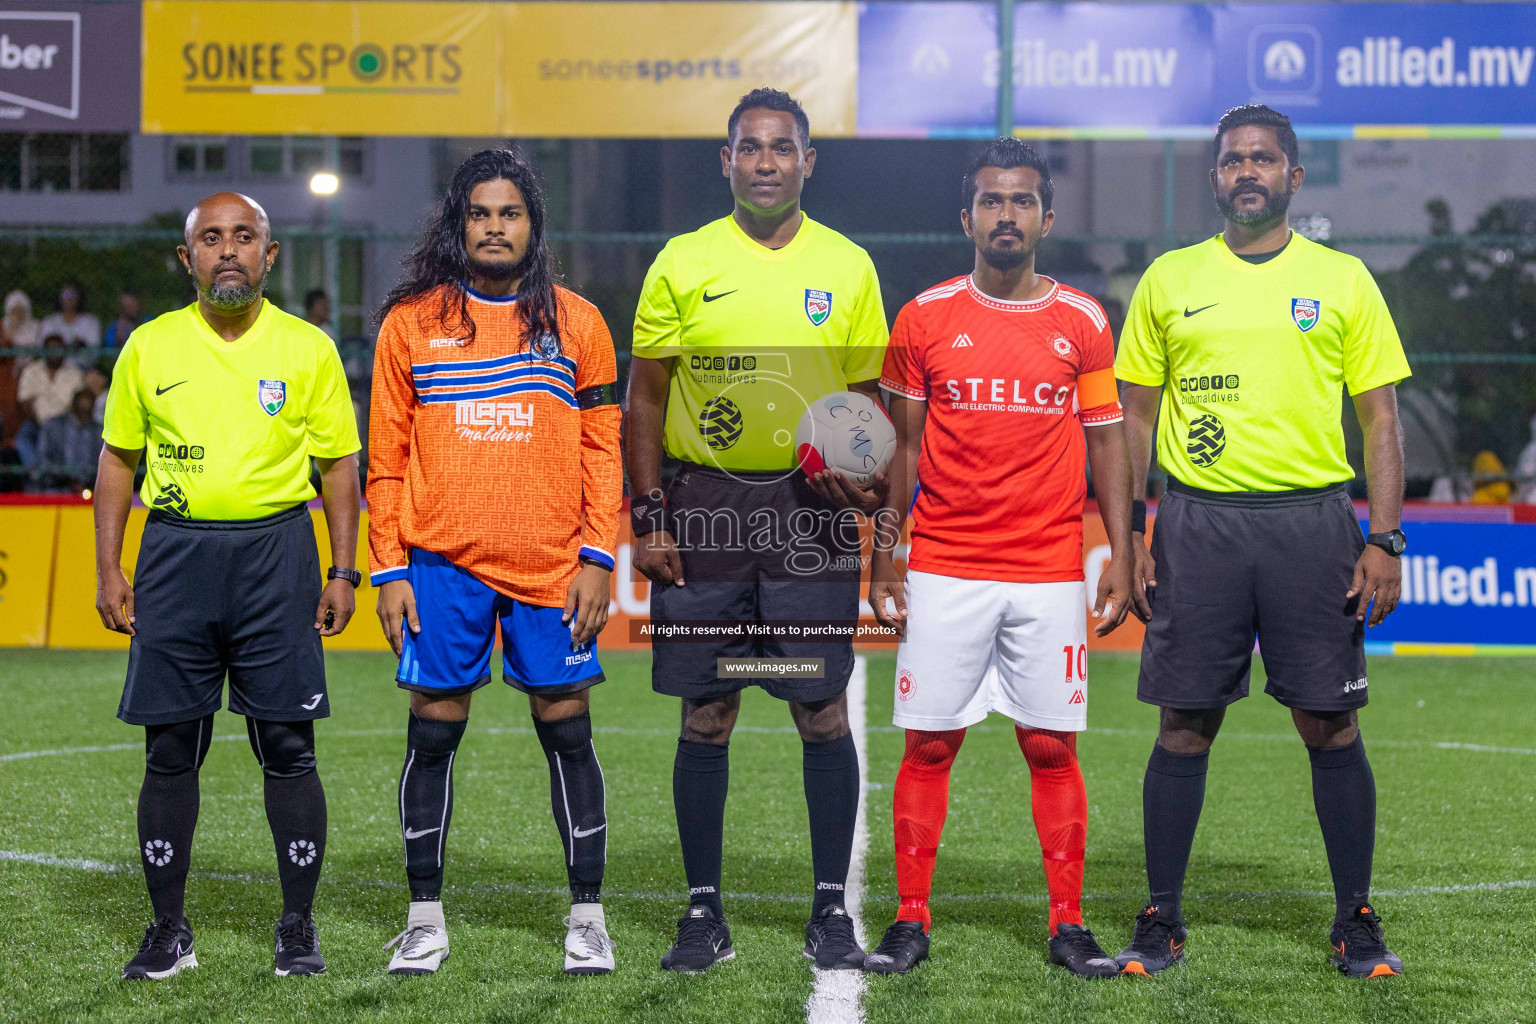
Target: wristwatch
(352, 576)
(1392, 542)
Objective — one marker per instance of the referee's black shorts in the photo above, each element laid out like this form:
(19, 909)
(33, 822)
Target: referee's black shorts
(756, 548)
(213, 597)
(1232, 567)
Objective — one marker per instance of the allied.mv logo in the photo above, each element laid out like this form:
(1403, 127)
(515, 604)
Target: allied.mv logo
(1305, 312)
(818, 306)
(1207, 440)
(272, 394)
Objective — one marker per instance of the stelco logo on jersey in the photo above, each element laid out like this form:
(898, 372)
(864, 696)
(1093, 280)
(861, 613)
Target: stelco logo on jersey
(999, 394)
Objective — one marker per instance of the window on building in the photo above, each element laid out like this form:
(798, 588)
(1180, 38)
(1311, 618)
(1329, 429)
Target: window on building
(60, 162)
(302, 156)
(200, 158)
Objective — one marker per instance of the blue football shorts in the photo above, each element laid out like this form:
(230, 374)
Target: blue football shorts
(458, 615)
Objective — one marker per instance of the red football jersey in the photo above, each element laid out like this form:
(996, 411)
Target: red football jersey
(1009, 387)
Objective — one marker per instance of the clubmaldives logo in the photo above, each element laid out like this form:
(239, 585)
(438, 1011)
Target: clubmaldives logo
(40, 62)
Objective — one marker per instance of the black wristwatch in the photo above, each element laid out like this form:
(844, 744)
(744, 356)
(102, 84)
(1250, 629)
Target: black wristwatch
(1392, 542)
(352, 576)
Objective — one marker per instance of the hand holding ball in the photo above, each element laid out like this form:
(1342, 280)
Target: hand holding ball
(848, 432)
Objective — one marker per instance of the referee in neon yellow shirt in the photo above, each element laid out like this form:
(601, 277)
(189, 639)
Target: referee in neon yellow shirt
(1252, 336)
(229, 399)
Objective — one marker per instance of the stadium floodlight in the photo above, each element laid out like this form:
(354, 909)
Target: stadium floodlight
(324, 184)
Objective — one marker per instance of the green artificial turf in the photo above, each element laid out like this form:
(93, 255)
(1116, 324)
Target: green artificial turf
(1455, 877)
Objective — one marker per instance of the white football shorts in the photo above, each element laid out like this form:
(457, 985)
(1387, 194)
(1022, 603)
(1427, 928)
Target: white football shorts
(977, 646)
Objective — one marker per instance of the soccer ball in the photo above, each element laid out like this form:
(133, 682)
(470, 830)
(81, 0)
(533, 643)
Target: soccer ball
(848, 432)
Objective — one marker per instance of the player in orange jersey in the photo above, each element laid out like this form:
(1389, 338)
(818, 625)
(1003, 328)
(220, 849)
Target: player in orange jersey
(993, 378)
(494, 484)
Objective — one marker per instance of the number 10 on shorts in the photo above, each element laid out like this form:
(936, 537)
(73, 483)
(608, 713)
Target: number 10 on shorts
(1077, 658)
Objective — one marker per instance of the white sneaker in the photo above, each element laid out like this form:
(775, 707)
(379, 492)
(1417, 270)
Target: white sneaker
(423, 944)
(588, 949)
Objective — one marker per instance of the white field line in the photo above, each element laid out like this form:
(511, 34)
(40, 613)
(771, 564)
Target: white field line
(838, 996)
(1147, 734)
(99, 867)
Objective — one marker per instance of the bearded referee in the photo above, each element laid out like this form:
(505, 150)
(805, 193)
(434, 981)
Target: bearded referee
(1252, 337)
(740, 325)
(229, 398)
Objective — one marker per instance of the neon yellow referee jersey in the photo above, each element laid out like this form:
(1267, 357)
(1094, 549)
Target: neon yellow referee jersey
(758, 334)
(1253, 360)
(228, 428)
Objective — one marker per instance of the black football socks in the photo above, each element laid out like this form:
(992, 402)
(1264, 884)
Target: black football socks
(700, 778)
(1172, 793)
(295, 803)
(832, 797)
(167, 813)
(426, 802)
(577, 795)
(1344, 794)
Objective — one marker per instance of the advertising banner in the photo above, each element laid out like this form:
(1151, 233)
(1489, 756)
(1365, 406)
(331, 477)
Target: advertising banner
(69, 67)
(1128, 70)
(298, 68)
(673, 69)
(479, 69)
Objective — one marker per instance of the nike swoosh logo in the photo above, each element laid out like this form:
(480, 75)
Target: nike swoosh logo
(579, 834)
(160, 391)
(412, 834)
(423, 956)
(314, 701)
(1202, 309)
(711, 298)
(576, 956)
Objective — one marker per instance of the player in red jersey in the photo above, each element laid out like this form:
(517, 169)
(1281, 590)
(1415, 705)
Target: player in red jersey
(992, 378)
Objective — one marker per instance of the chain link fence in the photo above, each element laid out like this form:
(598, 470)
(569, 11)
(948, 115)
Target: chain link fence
(1465, 305)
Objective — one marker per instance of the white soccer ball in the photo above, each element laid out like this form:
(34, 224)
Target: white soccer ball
(848, 432)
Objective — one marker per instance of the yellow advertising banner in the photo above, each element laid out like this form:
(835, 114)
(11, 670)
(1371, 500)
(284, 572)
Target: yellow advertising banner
(293, 67)
(622, 70)
(674, 69)
(27, 537)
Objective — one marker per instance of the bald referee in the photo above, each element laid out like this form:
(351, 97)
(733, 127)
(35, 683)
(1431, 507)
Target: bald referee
(229, 399)
(1252, 336)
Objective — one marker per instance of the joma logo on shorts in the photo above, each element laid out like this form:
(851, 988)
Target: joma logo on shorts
(1352, 685)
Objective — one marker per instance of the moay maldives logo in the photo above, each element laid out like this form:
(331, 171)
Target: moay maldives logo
(313, 67)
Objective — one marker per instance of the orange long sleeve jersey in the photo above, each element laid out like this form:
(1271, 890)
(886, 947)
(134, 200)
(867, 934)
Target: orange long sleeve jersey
(502, 458)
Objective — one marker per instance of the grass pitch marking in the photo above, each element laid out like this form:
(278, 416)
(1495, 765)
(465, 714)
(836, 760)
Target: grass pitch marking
(838, 996)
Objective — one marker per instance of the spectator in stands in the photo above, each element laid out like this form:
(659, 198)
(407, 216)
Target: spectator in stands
(1525, 469)
(317, 310)
(131, 315)
(18, 329)
(98, 382)
(71, 441)
(1490, 480)
(46, 388)
(11, 477)
(80, 330)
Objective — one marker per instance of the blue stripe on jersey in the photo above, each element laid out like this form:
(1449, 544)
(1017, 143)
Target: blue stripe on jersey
(597, 555)
(490, 298)
(498, 392)
(441, 380)
(422, 369)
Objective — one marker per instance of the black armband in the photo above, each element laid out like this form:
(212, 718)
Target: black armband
(1138, 517)
(647, 516)
(601, 394)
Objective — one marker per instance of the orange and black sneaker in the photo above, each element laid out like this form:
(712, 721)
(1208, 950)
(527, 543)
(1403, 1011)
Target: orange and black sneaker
(1358, 948)
(1158, 943)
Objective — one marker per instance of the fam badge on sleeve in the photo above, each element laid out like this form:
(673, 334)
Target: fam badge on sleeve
(272, 394)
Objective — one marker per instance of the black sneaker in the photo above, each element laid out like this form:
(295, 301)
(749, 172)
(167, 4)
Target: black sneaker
(1358, 948)
(830, 941)
(703, 940)
(166, 949)
(297, 946)
(1158, 943)
(903, 947)
(1075, 948)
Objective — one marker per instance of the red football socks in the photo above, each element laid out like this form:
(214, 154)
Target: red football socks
(920, 803)
(1060, 802)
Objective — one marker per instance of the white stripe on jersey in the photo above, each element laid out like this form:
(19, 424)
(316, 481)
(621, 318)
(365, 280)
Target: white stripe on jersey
(942, 291)
(1087, 305)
